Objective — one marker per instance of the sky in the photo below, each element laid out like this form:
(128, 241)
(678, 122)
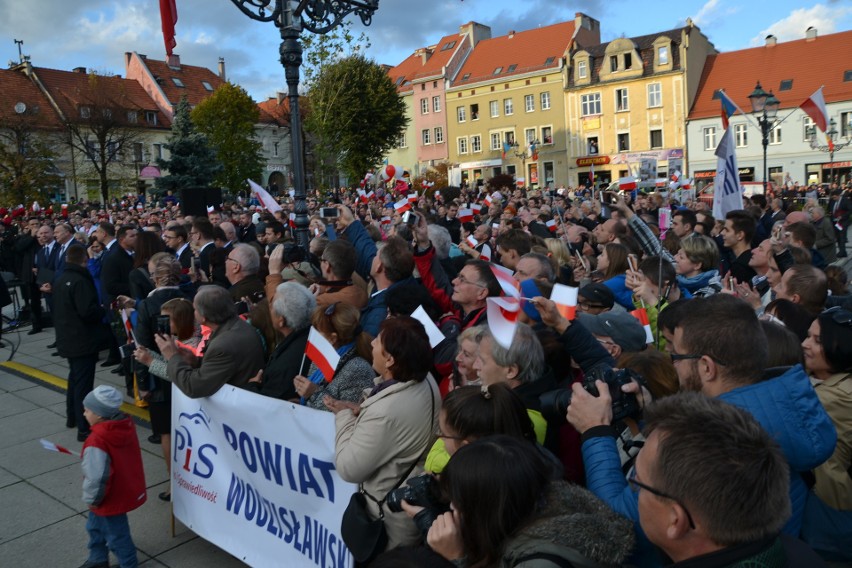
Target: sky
(64, 34)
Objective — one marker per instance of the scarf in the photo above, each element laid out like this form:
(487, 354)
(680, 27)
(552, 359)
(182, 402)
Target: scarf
(703, 280)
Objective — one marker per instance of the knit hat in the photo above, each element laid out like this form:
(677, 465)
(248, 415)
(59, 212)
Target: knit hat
(105, 401)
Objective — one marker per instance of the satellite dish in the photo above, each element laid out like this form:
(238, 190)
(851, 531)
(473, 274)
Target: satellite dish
(20, 108)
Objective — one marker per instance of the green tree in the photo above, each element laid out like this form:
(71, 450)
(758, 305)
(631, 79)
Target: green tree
(356, 113)
(192, 162)
(227, 118)
(27, 169)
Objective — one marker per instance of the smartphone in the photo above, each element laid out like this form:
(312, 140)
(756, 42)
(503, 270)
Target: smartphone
(582, 260)
(631, 261)
(731, 284)
(410, 217)
(164, 326)
(193, 266)
(329, 212)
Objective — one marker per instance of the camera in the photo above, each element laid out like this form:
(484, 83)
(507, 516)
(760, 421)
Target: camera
(164, 325)
(421, 491)
(329, 212)
(554, 404)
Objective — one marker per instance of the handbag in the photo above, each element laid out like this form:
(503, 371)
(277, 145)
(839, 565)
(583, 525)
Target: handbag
(365, 537)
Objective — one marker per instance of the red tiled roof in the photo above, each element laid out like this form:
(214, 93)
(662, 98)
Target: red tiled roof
(16, 87)
(527, 50)
(809, 64)
(190, 76)
(441, 54)
(273, 112)
(402, 74)
(71, 90)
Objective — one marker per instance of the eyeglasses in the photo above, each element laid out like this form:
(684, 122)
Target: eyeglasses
(439, 434)
(329, 311)
(840, 316)
(463, 280)
(636, 485)
(680, 357)
(237, 262)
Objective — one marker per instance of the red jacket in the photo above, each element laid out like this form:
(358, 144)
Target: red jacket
(114, 479)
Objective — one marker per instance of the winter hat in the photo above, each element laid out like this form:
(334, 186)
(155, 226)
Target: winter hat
(105, 401)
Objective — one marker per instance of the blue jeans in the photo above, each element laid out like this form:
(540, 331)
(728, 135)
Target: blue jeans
(110, 533)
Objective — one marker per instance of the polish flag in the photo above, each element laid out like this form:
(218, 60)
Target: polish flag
(47, 445)
(627, 183)
(438, 195)
(386, 220)
(476, 208)
(402, 206)
(263, 196)
(211, 208)
(814, 107)
(485, 253)
(487, 201)
(551, 225)
(565, 298)
(686, 183)
(642, 315)
(362, 196)
(465, 215)
(413, 197)
(471, 241)
(322, 353)
(292, 220)
(507, 283)
(502, 316)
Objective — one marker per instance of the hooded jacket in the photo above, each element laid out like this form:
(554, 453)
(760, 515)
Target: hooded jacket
(113, 476)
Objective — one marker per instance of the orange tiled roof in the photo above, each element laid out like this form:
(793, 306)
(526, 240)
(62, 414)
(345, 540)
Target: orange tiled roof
(273, 112)
(16, 87)
(71, 90)
(527, 51)
(809, 64)
(441, 54)
(191, 77)
(402, 74)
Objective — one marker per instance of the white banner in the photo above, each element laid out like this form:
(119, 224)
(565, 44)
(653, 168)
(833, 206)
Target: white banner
(255, 476)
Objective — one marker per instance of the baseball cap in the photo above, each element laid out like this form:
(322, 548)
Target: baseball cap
(624, 329)
(598, 294)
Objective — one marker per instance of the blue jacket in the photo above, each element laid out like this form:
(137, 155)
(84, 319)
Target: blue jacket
(788, 409)
(623, 295)
(365, 249)
(376, 310)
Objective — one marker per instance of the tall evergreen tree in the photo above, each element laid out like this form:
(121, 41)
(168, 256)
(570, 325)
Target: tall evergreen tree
(192, 162)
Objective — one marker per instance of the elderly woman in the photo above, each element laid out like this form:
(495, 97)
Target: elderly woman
(827, 525)
(339, 324)
(380, 441)
(695, 264)
(291, 309)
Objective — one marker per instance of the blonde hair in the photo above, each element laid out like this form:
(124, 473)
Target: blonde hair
(558, 251)
(167, 269)
(702, 250)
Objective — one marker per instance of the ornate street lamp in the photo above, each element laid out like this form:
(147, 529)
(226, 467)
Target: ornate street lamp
(291, 17)
(521, 152)
(834, 146)
(765, 106)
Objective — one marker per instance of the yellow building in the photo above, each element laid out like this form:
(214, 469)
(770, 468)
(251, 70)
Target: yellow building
(510, 91)
(627, 101)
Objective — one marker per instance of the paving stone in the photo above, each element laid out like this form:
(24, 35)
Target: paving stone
(7, 478)
(11, 404)
(32, 509)
(32, 425)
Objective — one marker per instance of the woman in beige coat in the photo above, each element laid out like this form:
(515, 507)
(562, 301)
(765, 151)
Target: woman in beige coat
(379, 440)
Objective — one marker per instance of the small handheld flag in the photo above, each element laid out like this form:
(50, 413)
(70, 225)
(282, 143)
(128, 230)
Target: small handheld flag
(565, 298)
(322, 353)
(503, 319)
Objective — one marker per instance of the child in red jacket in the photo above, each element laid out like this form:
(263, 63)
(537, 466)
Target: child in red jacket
(113, 478)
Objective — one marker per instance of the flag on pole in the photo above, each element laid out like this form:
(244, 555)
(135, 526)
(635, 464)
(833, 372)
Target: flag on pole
(592, 175)
(485, 253)
(413, 197)
(565, 298)
(402, 205)
(729, 108)
(265, 199)
(465, 215)
(47, 445)
(727, 195)
(438, 195)
(322, 353)
(534, 151)
(291, 220)
(506, 148)
(507, 283)
(814, 107)
(502, 316)
(627, 183)
(168, 19)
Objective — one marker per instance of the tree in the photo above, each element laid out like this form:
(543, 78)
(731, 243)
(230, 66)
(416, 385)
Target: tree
(192, 162)
(356, 113)
(27, 169)
(227, 118)
(104, 129)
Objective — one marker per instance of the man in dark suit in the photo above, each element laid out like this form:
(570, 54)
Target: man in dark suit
(116, 264)
(840, 210)
(45, 260)
(177, 240)
(27, 247)
(64, 239)
(202, 241)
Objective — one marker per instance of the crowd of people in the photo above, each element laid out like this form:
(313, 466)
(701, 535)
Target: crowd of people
(716, 432)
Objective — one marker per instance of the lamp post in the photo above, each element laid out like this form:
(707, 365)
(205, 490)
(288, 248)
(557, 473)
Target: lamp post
(291, 17)
(521, 153)
(834, 145)
(765, 107)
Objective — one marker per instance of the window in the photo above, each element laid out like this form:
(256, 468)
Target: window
(466, 76)
(549, 60)
(158, 151)
(494, 107)
(476, 143)
(178, 82)
(512, 67)
(582, 69)
(710, 138)
(628, 60)
(529, 103)
(545, 100)
(426, 136)
(138, 152)
(439, 135)
(810, 129)
(402, 140)
(85, 112)
(207, 86)
(424, 105)
(592, 145)
(461, 114)
(656, 139)
(462, 145)
(474, 111)
(621, 100)
(496, 142)
(436, 104)
(498, 70)
(786, 85)
(663, 55)
(613, 63)
(845, 124)
(741, 135)
(132, 116)
(275, 146)
(107, 113)
(655, 95)
(775, 135)
(151, 117)
(591, 104)
(623, 142)
(509, 137)
(529, 134)
(508, 108)
(546, 135)
(449, 45)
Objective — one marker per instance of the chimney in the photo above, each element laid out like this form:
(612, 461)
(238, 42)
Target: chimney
(222, 68)
(280, 96)
(174, 61)
(424, 53)
(511, 34)
(81, 70)
(143, 56)
(811, 33)
(771, 40)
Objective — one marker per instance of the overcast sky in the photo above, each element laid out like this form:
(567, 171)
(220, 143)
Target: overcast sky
(64, 34)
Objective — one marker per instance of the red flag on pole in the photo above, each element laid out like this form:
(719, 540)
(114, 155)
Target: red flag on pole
(322, 353)
(168, 17)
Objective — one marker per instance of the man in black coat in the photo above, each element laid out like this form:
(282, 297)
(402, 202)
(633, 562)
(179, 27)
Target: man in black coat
(116, 264)
(77, 318)
(26, 246)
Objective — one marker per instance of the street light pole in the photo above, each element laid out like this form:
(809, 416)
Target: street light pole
(521, 153)
(291, 17)
(833, 145)
(765, 106)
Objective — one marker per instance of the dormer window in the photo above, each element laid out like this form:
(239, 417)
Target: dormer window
(85, 112)
(582, 70)
(613, 63)
(151, 117)
(207, 86)
(663, 55)
(628, 60)
(177, 82)
(498, 70)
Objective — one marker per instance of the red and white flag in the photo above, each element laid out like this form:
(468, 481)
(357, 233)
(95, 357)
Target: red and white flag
(814, 107)
(47, 445)
(402, 206)
(502, 316)
(438, 195)
(551, 225)
(487, 201)
(322, 353)
(565, 298)
(686, 183)
(386, 220)
(168, 19)
(413, 197)
(471, 241)
(509, 285)
(362, 196)
(465, 215)
(485, 253)
(627, 183)
(642, 315)
(292, 220)
(265, 199)
(476, 208)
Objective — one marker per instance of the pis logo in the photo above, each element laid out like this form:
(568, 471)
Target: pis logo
(196, 457)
